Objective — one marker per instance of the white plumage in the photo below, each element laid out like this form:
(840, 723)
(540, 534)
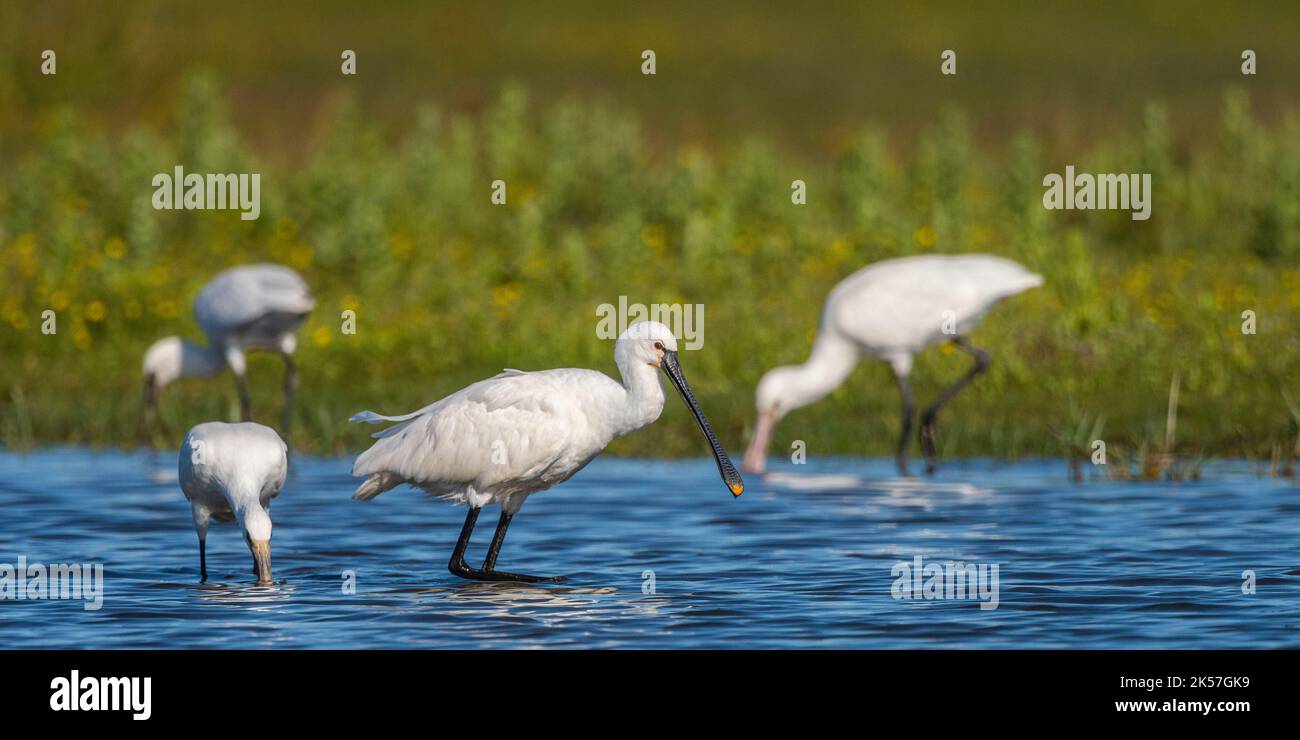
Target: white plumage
(517, 433)
(252, 307)
(500, 439)
(230, 472)
(891, 311)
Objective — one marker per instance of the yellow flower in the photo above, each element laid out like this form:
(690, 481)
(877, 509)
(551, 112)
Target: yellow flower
(115, 248)
(506, 295)
(401, 246)
(16, 317)
(654, 236)
(321, 336)
(840, 249)
(27, 264)
(167, 309)
(96, 311)
(58, 300)
(301, 256)
(926, 237)
(158, 275)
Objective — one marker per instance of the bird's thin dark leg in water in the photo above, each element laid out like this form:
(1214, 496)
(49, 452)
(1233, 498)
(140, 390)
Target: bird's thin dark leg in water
(458, 566)
(245, 403)
(290, 385)
(203, 560)
(909, 413)
(929, 420)
(498, 537)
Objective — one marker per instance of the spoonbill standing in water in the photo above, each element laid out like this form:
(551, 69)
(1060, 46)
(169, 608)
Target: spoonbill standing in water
(230, 472)
(502, 439)
(891, 311)
(253, 307)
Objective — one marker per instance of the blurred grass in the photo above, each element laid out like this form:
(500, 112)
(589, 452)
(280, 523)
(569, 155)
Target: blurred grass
(805, 73)
(666, 189)
(449, 288)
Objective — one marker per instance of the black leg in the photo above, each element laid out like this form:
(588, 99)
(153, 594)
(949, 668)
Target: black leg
(497, 538)
(909, 413)
(245, 403)
(458, 566)
(203, 560)
(929, 420)
(290, 385)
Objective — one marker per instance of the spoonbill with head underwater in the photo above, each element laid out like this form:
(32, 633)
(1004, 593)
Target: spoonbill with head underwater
(252, 307)
(230, 472)
(505, 438)
(891, 311)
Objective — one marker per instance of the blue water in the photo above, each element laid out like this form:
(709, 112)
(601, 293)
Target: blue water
(804, 559)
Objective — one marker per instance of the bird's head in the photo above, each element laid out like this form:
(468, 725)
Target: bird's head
(162, 364)
(645, 342)
(257, 535)
(171, 358)
(777, 394)
(651, 343)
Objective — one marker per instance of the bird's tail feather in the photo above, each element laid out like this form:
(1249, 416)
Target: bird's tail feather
(370, 417)
(375, 485)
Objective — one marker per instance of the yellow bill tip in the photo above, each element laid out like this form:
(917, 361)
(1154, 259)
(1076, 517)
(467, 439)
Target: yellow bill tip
(737, 489)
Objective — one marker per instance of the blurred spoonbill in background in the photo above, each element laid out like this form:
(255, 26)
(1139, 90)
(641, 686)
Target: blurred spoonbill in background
(891, 311)
(230, 472)
(502, 439)
(252, 307)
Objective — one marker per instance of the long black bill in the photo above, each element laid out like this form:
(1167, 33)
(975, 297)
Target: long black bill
(673, 369)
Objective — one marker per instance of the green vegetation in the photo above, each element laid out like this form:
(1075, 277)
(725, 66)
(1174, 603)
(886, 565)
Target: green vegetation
(449, 288)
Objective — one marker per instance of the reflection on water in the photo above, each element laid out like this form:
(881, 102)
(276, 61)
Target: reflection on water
(249, 595)
(659, 555)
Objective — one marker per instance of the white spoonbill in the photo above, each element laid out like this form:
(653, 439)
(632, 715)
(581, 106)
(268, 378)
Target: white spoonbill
(252, 307)
(230, 472)
(517, 433)
(891, 311)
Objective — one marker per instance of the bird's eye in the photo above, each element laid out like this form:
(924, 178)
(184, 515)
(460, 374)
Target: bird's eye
(659, 345)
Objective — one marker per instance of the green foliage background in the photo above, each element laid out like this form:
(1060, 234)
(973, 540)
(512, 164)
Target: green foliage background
(390, 216)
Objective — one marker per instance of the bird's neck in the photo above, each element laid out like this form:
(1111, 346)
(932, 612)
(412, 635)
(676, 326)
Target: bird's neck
(201, 361)
(831, 361)
(250, 515)
(644, 398)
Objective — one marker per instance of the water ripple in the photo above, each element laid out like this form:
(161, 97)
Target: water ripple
(658, 555)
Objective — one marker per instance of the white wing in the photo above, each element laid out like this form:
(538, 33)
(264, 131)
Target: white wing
(242, 296)
(904, 303)
(236, 460)
(515, 426)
